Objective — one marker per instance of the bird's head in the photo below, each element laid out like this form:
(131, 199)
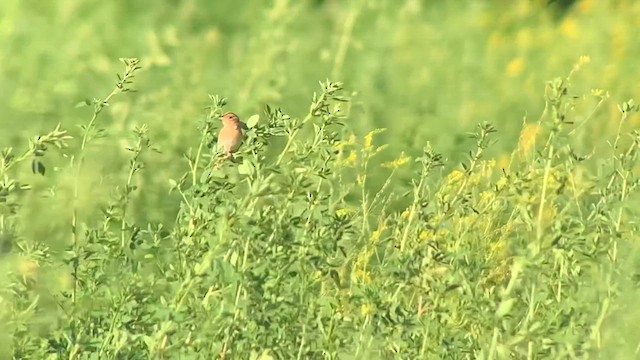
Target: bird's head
(230, 118)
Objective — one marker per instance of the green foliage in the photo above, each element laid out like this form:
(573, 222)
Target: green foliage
(266, 255)
(335, 233)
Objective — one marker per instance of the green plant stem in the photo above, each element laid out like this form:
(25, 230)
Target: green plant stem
(291, 137)
(345, 40)
(417, 194)
(99, 106)
(543, 194)
(125, 201)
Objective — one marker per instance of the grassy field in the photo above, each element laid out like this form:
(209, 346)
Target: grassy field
(420, 180)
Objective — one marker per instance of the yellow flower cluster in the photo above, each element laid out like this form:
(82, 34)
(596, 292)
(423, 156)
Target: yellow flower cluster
(351, 160)
(487, 197)
(455, 177)
(585, 6)
(376, 234)
(345, 212)
(367, 309)
(502, 183)
(368, 150)
(483, 173)
(402, 160)
(549, 214)
(582, 61)
(362, 277)
(368, 139)
(569, 28)
(430, 235)
(341, 147)
(28, 268)
(516, 67)
(528, 137)
(360, 266)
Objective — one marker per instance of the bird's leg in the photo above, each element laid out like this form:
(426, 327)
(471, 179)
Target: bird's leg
(219, 162)
(227, 156)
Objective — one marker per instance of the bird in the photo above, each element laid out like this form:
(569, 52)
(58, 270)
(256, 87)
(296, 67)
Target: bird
(231, 134)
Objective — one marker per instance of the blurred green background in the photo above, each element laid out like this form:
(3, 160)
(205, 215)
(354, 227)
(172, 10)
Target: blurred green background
(425, 70)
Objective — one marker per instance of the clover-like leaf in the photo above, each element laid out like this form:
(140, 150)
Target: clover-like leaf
(253, 121)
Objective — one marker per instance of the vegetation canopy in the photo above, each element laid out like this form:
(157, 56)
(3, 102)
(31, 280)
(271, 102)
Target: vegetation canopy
(417, 180)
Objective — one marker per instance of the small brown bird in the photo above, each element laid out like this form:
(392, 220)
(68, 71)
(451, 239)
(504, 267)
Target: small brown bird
(230, 136)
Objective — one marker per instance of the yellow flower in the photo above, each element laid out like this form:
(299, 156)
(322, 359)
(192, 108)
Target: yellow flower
(504, 162)
(368, 139)
(487, 169)
(553, 179)
(341, 145)
(474, 179)
(367, 309)
(524, 39)
(317, 275)
(380, 148)
(528, 137)
(507, 230)
(351, 160)
(516, 67)
(344, 212)
(584, 60)
(502, 183)
(352, 140)
(405, 215)
(585, 6)
(437, 219)
(29, 269)
(569, 28)
(363, 259)
(363, 277)
(486, 196)
(442, 234)
(549, 214)
(403, 159)
(65, 281)
(455, 176)
(426, 235)
(375, 236)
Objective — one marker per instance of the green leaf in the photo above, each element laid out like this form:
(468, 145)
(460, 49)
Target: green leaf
(266, 355)
(505, 307)
(253, 120)
(37, 167)
(83, 103)
(233, 260)
(246, 168)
